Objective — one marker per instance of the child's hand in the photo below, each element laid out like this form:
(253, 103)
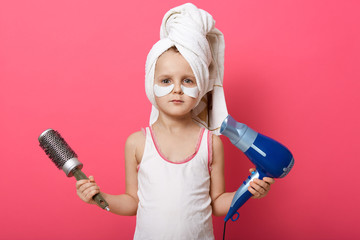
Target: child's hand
(260, 188)
(86, 189)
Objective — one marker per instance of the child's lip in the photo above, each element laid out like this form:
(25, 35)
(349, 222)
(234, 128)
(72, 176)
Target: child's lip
(176, 101)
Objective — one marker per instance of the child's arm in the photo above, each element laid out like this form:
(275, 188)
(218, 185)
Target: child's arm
(124, 204)
(221, 200)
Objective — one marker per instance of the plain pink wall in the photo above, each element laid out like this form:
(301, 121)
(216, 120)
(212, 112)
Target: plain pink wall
(291, 72)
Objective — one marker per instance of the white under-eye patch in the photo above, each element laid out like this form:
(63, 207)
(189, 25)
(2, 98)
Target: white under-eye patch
(160, 91)
(191, 92)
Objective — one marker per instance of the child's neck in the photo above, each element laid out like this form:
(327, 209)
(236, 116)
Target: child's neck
(172, 125)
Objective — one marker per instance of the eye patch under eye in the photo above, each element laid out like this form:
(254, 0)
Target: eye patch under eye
(191, 92)
(162, 91)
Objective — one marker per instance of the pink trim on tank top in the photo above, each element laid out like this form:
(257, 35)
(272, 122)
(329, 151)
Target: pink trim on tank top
(186, 159)
(210, 151)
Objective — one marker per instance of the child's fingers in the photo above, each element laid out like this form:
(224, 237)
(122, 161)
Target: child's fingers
(90, 192)
(86, 186)
(92, 179)
(266, 179)
(255, 193)
(269, 180)
(263, 184)
(259, 188)
(86, 189)
(81, 183)
(89, 189)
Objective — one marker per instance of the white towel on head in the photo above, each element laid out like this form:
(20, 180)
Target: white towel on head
(192, 31)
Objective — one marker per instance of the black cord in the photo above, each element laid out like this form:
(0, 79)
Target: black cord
(224, 230)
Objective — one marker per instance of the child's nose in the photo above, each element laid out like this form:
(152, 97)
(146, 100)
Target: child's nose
(177, 88)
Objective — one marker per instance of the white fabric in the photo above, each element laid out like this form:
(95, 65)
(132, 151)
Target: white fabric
(192, 31)
(174, 200)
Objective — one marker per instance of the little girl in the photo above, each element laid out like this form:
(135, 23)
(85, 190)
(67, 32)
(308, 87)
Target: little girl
(175, 168)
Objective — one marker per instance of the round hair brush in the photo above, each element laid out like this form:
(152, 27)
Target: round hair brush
(65, 158)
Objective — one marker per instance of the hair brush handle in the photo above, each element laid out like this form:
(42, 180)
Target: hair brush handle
(98, 198)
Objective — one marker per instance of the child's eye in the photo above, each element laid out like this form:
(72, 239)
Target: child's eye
(165, 81)
(188, 81)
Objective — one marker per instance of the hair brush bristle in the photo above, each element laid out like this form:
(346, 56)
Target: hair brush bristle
(56, 148)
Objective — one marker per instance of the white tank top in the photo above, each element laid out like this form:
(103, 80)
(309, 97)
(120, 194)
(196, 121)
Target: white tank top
(174, 198)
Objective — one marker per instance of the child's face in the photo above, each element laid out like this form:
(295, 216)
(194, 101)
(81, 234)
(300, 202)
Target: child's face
(173, 77)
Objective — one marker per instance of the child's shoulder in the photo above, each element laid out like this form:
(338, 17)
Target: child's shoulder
(217, 143)
(136, 138)
(135, 145)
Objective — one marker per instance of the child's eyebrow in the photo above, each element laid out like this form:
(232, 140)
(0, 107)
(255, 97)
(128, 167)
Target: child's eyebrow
(190, 76)
(169, 76)
(164, 76)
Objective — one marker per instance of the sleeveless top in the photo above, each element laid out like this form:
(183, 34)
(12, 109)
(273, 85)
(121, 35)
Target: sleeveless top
(174, 198)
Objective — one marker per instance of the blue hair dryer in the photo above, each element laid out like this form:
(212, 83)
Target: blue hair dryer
(271, 159)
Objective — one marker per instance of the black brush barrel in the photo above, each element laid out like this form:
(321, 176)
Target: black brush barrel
(56, 148)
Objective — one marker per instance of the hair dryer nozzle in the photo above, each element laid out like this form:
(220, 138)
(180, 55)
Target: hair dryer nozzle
(239, 134)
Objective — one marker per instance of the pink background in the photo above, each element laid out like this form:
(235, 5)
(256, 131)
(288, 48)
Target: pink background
(291, 72)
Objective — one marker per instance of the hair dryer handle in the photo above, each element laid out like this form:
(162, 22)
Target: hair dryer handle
(242, 195)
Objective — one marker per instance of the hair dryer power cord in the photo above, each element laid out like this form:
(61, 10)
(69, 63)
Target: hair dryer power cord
(224, 230)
